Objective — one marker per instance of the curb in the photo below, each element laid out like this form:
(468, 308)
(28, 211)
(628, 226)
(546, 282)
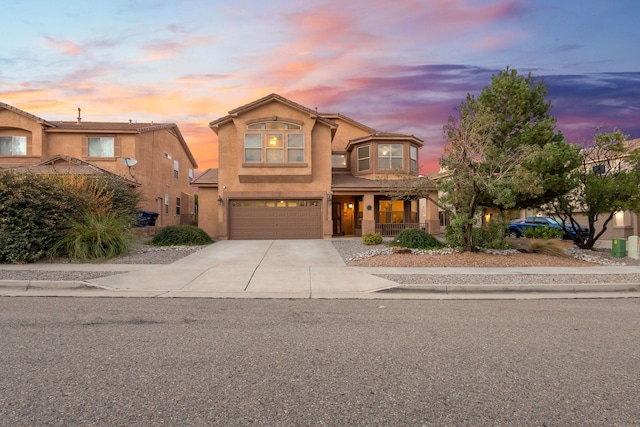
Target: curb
(526, 289)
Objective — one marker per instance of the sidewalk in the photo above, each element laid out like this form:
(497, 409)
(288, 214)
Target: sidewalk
(302, 269)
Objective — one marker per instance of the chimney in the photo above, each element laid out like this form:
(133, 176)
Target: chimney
(79, 118)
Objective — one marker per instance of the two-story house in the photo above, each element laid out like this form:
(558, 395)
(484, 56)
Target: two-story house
(287, 171)
(153, 156)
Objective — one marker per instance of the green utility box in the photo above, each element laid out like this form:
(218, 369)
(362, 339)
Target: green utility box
(619, 248)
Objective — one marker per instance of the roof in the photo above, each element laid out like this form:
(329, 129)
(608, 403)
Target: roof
(208, 179)
(265, 100)
(385, 136)
(127, 127)
(333, 116)
(350, 182)
(25, 114)
(61, 164)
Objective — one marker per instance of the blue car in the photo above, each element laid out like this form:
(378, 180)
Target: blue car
(518, 227)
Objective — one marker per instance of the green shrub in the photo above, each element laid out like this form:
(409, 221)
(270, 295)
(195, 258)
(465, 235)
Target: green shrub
(37, 211)
(371, 239)
(415, 238)
(545, 232)
(188, 235)
(95, 237)
(454, 233)
(491, 236)
(33, 214)
(548, 247)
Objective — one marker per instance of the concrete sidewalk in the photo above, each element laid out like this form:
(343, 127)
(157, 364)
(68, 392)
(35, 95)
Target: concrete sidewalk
(299, 269)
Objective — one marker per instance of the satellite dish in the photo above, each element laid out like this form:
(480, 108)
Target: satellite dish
(129, 162)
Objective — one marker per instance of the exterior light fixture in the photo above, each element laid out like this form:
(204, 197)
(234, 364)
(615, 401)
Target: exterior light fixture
(220, 200)
(350, 205)
(329, 194)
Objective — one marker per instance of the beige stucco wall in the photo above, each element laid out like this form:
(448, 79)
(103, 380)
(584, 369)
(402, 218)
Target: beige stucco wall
(208, 211)
(13, 124)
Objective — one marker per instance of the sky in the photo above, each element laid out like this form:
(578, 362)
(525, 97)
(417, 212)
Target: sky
(396, 66)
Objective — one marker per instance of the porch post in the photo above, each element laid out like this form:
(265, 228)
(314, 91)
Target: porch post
(368, 214)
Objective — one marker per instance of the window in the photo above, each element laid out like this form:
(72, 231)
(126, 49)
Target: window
(338, 161)
(414, 158)
(13, 145)
(295, 148)
(176, 168)
(391, 211)
(177, 205)
(252, 148)
(389, 156)
(273, 126)
(190, 174)
(166, 203)
(600, 169)
(414, 211)
(102, 146)
(363, 158)
(274, 147)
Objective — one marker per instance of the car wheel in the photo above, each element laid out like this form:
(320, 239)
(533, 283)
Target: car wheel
(514, 234)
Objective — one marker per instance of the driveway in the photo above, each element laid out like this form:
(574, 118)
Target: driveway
(253, 268)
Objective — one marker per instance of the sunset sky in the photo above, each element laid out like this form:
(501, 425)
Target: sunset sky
(394, 65)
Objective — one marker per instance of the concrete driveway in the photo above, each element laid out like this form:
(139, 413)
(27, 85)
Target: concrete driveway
(253, 268)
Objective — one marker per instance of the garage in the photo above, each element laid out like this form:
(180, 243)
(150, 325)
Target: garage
(275, 219)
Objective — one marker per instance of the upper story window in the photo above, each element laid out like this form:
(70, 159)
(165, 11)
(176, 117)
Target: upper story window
(600, 169)
(284, 146)
(414, 158)
(103, 146)
(274, 126)
(338, 161)
(13, 145)
(176, 168)
(389, 156)
(364, 157)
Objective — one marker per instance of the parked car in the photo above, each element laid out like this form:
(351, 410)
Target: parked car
(518, 227)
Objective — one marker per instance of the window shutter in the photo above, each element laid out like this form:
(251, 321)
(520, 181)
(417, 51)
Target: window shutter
(116, 147)
(85, 147)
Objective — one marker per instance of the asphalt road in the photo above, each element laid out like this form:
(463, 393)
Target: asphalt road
(199, 362)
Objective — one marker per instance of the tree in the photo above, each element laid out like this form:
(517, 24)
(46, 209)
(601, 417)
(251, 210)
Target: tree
(523, 118)
(478, 168)
(609, 177)
(504, 151)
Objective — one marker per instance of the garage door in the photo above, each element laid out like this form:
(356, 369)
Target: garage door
(275, 219)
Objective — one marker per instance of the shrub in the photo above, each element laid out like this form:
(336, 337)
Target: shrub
(491, 236)
(415, 238)
(371, 239)
(545, 232)
(37, 211)
(548, 247)
(33, 214)
(188, 235)
(95, 237)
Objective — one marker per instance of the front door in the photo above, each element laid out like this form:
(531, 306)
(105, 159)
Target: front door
(336, 214)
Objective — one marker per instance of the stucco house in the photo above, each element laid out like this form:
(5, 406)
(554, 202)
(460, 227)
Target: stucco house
(152, 156)
(287, 171)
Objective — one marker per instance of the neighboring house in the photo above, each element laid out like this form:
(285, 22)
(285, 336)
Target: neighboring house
(163, 166)
(287, 172)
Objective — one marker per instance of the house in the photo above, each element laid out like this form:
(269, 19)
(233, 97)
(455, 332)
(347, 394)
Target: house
(288, 172)
(153, 156)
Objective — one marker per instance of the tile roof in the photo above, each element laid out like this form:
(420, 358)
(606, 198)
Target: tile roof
(61, 164)
(209, 178)
(350, 182)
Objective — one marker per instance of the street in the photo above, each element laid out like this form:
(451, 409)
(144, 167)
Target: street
(117, 361)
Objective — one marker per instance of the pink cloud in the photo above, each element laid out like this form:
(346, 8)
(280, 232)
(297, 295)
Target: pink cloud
(65, 46)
